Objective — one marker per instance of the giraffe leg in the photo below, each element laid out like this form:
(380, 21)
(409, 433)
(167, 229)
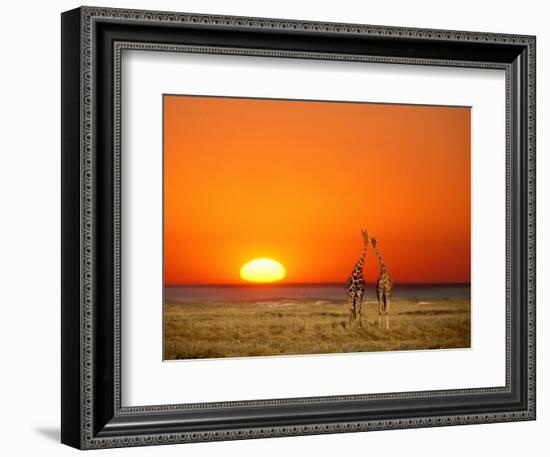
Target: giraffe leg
(351, 304)
(379, 298)
(358, 310)
(387, 301)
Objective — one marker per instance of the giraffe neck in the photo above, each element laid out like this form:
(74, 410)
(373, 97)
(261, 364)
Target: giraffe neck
(359, 266)
(380, 260)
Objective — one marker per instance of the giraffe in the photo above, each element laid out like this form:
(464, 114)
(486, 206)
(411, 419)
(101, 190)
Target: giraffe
(356, 285)
(384, 288)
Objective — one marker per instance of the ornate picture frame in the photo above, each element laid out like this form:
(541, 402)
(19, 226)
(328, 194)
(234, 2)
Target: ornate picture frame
(93, 415)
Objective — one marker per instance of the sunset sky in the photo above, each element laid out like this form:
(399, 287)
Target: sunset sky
(296, 181)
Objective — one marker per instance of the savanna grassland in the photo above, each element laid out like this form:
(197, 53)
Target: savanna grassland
(214, 330)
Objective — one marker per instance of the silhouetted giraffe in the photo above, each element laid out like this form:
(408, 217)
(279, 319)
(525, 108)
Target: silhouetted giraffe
(384, 288)
(356, 285)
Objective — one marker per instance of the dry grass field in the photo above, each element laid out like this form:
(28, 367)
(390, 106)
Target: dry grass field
(214, 330)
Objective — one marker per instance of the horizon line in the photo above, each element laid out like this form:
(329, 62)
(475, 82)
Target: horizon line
(329, 283)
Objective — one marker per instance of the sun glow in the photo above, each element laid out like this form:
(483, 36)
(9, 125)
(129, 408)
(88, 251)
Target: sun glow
(262, 270)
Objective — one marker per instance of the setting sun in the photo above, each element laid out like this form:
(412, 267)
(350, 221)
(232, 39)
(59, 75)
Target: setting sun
(262, 270)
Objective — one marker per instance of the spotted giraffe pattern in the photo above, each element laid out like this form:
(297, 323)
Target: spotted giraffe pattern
(356, 286)
(384, 288)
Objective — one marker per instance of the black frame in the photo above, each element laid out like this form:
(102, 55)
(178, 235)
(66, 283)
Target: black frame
(92, 42)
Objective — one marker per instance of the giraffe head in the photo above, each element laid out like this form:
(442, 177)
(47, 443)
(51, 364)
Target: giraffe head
(365, 235)
(373, 241)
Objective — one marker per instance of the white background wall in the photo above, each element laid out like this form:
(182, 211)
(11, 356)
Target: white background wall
(30, 227)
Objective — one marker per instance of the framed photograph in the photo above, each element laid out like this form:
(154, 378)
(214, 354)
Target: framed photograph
(277, 227)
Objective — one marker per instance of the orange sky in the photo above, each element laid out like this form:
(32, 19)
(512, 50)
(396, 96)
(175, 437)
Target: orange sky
(296, 181)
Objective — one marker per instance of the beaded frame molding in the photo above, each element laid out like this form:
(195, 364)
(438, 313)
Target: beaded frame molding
(92, 43)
